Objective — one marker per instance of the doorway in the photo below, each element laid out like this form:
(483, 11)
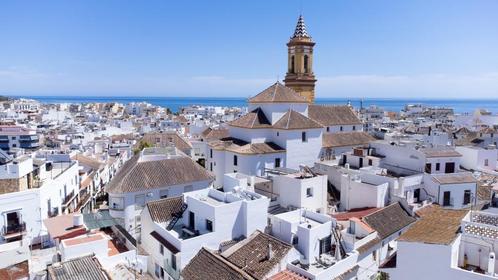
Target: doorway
(446, 198)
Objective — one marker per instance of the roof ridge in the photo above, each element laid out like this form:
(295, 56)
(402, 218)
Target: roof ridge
(274, 91)
(380, 209)
(289, 118)
(227, 262)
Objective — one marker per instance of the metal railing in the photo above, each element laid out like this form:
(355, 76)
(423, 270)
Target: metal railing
(68, 198)
(175, 274)
(15, 228)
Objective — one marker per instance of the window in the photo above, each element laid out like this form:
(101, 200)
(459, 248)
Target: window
(486, 162)
(370, 162)
(341, 128)
(209, 225)
(306, 64)
(277, 162)
(161, 249)
(325, 245)
(438, 166)
(374, 255)
(235, 160)
(173, 261)
(428, 168)
(466, 197)
(309, 192)
(211, 166)
(211, 153)
(354, 127)
(157, 270)
(139, 201)
(278, 134)
(295, 240)
(293, 67)
(163, 193)
(303, 137)
(116, 203)
(328, 128)
(138, 224)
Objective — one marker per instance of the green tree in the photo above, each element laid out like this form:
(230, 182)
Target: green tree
(142, 145)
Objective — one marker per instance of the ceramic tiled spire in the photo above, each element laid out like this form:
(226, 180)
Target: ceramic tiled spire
(300, 31)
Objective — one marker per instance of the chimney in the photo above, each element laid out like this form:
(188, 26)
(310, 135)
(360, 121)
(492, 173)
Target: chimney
(270, 252)
(491, 264)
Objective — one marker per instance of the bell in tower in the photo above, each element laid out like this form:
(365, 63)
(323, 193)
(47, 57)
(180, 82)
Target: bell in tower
(300, 76)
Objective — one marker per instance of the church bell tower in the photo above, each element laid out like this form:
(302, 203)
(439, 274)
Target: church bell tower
(300, 76)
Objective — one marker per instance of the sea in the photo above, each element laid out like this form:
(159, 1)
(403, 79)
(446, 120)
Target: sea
(176, 103)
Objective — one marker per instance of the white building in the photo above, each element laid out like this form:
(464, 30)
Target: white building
(477, 158)
(32, 190)
(152, 174)
(18, 137)
(281, 130)
(175, 229)
(461, 245)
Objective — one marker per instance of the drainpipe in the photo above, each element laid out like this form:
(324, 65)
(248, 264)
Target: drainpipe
(438, 193)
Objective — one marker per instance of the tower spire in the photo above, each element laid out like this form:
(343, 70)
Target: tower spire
(300, 31)
(300, 76)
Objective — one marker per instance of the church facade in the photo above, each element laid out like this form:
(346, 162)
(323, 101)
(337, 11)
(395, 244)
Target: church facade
(283, 128)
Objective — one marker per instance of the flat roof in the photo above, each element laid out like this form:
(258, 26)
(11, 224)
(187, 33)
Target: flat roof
(82, 240)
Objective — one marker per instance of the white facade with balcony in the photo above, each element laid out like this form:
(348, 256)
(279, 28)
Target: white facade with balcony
(210, 218)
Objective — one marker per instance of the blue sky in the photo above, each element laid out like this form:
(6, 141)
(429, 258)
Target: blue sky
(387, 49)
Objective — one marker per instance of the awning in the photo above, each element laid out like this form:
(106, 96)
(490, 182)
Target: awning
(100, 219)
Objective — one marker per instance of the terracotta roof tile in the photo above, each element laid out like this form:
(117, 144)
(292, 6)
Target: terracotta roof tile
(208, 265)
(328, 115)
(167, 139)
(454, 178)
(81, 268)
(138, 175)
(251, 254)
(254, 119)
(439, 152)
(211, 134)
(278, 93)
(295, 120)
(162, 210)
(287, 275)
(388, 220)
(346, 139)
(436, 226)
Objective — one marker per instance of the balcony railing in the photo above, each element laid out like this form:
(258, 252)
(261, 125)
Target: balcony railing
(15, 228)
(175, 274)
(68, 198)
(53, 212)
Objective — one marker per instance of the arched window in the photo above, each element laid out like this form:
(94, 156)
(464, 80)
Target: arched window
(292, 65)
(305, 64)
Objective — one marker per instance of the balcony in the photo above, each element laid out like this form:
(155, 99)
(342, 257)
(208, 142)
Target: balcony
(175, 274)
(68, 198)
(84, 198)
(29, 145)
(13, 229)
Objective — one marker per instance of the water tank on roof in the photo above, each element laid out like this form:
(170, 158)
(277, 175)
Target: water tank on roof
(77, 220)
